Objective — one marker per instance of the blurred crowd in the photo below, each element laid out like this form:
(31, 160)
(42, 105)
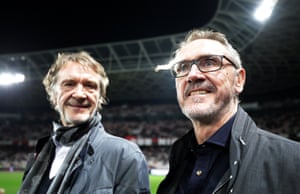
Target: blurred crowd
(19, 131)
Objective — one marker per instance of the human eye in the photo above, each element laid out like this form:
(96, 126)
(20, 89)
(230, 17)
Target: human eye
(91, 85)
(209, 62)
(182, 67)
(68, 84)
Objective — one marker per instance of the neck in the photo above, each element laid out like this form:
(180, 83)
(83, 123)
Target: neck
(203, 131)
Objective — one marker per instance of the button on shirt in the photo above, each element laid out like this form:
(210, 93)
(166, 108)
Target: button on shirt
(209, 162)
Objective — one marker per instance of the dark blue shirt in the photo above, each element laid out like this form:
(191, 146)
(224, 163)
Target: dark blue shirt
(209, 162)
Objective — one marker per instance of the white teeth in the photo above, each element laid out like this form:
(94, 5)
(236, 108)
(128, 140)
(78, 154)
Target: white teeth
(198, 92)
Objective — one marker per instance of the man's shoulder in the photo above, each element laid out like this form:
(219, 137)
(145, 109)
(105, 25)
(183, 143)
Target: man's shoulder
(277, 139)
(110, 142)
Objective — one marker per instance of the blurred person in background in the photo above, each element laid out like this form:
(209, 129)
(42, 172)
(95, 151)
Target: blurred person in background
(80, 156)
(225, 152)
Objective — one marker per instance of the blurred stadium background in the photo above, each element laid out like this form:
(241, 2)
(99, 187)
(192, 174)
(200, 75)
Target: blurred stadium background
(143, 105)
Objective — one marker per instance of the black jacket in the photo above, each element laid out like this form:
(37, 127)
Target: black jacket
(260, 162)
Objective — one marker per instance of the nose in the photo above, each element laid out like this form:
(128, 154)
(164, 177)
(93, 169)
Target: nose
(195, 73)
(79, 92)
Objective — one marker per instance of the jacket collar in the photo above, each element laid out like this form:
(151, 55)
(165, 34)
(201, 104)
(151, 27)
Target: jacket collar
(240, 134)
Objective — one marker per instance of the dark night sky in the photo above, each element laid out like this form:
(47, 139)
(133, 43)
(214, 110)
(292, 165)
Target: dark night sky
(43, 26)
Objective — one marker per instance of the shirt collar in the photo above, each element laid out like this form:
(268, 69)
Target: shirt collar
(222, 136)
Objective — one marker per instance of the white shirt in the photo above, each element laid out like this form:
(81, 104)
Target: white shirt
(61, 152)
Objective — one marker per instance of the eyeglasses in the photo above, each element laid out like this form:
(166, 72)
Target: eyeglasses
(204, 64)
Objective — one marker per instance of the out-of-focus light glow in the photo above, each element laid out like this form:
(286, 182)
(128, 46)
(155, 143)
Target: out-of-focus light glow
(162, 67)
(11, 78)
(264, 10)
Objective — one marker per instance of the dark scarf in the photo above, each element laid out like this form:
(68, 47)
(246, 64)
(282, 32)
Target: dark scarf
(72, 136)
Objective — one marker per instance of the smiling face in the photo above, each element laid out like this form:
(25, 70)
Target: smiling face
(77, 92)
(208, 96)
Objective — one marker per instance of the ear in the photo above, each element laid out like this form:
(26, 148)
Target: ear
(240, 80)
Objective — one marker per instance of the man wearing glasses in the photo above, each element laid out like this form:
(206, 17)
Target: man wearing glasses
(225, 152)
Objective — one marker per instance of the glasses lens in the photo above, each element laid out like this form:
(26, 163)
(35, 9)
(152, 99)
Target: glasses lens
(181, 69)
(204, 64)
(209, 63)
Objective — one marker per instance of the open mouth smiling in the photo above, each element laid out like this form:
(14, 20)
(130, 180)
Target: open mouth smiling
(197, 92)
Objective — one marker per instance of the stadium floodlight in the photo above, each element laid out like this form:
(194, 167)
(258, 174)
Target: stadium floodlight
(11, 78)
(264, 10)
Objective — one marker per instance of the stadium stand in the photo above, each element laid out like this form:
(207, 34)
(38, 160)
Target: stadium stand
(152, 126)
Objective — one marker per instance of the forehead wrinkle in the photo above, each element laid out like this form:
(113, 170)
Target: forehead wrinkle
(81, 72)
(200, 47)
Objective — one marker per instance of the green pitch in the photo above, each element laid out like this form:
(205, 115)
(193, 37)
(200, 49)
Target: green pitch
(154, 182)
(11, 181)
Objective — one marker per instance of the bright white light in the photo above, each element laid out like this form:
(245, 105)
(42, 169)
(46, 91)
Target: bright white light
(159, 172)
(162, 67)
(264, 11)
(10, 78)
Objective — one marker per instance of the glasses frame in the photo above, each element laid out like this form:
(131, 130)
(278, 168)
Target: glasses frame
(196, 62)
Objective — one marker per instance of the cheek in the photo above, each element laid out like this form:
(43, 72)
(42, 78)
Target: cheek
(61, 97)
(179, 90)
(224, 81)
(94, 97)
